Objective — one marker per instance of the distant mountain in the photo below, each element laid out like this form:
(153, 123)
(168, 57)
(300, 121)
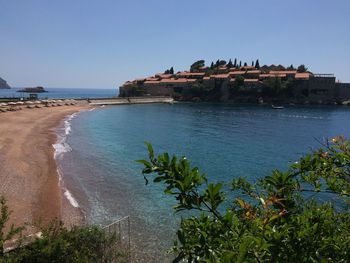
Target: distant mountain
(3, 84)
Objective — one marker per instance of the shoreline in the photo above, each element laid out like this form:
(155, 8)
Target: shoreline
(29, 174)
(71, 212)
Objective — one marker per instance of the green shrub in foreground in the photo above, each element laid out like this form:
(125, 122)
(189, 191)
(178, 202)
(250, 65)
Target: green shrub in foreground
(301, 215)
(59, 244)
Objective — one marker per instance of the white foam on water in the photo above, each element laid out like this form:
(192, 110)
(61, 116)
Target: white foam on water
(66, 193)
(71, 199)
(67, 124)
(62, 147)
(67, 127)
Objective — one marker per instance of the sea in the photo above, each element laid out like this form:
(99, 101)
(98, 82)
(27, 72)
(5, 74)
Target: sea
(97, 149)
(62, 93)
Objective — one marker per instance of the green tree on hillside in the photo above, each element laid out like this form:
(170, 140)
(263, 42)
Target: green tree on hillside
(239, 81)
(169, 71)
(196, 65)
(257, 65)
(235, 63)
(230, 64)
(300, 215)
(238, 85)
(272, 86)
(301, 69)
(220, 63)
(291, 67)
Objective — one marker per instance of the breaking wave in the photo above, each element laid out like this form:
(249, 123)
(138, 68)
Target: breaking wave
(61, 147)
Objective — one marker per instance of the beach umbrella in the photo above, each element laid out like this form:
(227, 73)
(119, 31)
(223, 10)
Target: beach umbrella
(37, 102)
(19, 103)
(29, 102)
(11, 103)
(3, 104)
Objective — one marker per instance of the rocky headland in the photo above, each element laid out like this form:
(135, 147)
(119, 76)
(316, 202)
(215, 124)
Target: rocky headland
(3, 84)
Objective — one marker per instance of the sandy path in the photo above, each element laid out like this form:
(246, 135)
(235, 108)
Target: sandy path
(28, 175)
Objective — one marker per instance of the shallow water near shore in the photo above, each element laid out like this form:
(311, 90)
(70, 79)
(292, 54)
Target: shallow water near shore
(224, 141)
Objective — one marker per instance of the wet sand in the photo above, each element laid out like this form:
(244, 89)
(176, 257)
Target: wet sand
(28, 172)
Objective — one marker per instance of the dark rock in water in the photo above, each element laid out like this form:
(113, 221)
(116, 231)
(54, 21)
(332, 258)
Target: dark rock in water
(33, 90)
(3, 84)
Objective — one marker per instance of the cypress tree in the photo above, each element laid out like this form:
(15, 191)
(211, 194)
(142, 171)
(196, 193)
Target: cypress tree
(171, 71)
(235, 63)
(229, 64)
(257, 65)
(252, 63)
(212, 65)
(240, 63)
(245, 64)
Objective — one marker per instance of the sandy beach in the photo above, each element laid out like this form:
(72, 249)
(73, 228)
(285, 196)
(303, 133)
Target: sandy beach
(28, 172)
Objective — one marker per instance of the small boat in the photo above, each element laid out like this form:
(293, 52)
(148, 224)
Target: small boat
(277, 107)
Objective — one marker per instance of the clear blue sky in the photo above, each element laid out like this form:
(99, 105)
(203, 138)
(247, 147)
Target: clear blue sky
(102, 43)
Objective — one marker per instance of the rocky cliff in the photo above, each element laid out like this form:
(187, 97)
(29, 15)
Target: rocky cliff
(3, 84)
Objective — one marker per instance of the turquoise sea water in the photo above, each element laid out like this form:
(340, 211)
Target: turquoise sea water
(63, 93)
(224, 141)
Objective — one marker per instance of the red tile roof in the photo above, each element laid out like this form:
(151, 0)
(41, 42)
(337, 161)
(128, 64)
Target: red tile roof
(283, 72)
(164, 76)
(305, 75)
(151, 82)
(220, 76)
(237, 72)
(248, 67)
(279, 75)
(253, 72)
(272, 75)
(152, 79)
(185, 73)
(182, 80)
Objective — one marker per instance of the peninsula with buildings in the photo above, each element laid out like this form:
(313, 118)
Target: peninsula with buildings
(234, 82)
